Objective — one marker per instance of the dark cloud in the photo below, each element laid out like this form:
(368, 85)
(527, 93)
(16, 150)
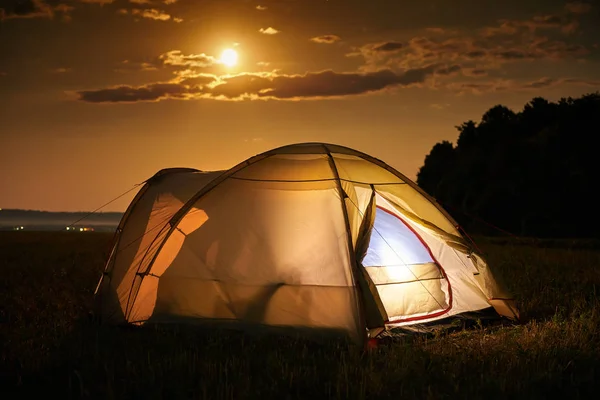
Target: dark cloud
(540, 83)
(11, 9)
(474, 72)
(513, 85)
(137, 66)
(450, 70)
(512, 55)
(578, 7)
(312, 85)
(151, 92)
(476, 54)
(388, 46)
(317, 84)
(25, 9)
(557, 22)
(197, 80)
(586, 82)
(326, 39)
(488, 48)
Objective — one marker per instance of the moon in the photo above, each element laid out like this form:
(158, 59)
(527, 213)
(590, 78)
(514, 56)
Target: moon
(229, 57)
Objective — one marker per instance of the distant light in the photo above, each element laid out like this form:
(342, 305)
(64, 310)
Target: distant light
(229, 57)
(68, 228)
(81, 229)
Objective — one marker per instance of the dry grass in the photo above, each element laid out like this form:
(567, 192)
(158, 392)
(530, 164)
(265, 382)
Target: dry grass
(48, 347)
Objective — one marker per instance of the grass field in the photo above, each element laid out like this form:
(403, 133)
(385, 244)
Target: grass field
(49, 346)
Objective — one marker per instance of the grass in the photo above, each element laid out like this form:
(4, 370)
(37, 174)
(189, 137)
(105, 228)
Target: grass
(49, 348)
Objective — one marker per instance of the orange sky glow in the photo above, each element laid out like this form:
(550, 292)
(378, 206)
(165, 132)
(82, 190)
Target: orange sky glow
(98, 95)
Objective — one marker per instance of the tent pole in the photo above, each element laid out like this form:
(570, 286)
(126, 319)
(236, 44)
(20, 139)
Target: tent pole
(351, 252)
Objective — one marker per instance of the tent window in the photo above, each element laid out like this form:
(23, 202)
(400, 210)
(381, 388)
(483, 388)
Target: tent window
(408, 279)
(393, 243)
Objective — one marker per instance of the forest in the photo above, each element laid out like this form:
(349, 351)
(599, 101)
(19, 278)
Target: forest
(531, 173)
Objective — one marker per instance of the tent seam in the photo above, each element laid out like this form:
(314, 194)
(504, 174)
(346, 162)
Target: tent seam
(179, 215)
(350, 246)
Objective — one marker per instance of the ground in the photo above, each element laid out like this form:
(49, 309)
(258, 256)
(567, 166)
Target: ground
(49, 346)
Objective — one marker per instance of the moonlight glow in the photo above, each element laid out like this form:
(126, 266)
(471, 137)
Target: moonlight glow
(229, 57)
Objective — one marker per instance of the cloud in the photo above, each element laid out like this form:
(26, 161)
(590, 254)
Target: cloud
(540, 83)
(387, 47)
(181, 64)
(579, 81)
(487, 48)
(326, 39)
(449, 70)
(261, 8)
(578, 7)
(499, 85)
(133, 66)
(12, 9)
(563, 23)
(269, 31)
(178, 59)
(152, 92)
(151, 13)
(308, 86)
(474, 72)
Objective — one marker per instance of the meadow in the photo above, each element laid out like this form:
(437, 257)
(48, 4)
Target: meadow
(50, 347)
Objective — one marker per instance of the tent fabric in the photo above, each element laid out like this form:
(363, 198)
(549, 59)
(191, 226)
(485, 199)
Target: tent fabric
(313, 235)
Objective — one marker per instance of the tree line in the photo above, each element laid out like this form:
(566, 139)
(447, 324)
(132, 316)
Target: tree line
(531, 173)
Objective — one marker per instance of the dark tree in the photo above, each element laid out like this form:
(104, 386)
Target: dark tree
(441, 157)
(532, 173)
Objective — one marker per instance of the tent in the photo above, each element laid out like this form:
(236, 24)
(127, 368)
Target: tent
(308, 236)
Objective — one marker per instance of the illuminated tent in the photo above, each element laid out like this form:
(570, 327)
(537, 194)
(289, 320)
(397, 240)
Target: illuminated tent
(307, 236)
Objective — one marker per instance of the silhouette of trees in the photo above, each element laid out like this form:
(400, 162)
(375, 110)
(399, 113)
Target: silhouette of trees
(532, 173)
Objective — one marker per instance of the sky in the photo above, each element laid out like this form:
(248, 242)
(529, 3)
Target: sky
(98, 95)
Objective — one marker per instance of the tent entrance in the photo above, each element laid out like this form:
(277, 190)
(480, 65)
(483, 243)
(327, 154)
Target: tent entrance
(410, 282)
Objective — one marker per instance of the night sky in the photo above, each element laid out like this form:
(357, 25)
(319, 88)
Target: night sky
(97, 95)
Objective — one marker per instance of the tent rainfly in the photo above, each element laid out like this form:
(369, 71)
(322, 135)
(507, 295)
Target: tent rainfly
(308, 236)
